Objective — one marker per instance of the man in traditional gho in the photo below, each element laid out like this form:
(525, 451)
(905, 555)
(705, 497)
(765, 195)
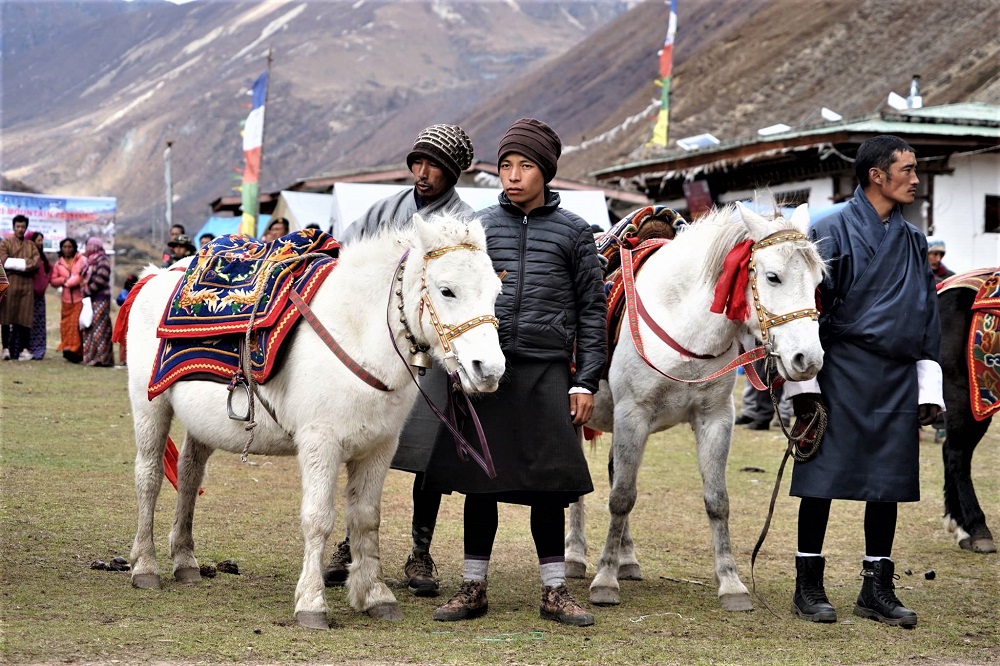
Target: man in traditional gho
(19, 257)
(881, 379)
(439, 155)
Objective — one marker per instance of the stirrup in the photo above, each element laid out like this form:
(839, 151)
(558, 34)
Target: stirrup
(238, 380)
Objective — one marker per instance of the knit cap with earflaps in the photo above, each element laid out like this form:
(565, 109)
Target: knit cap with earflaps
(536, 141)
(448, 145)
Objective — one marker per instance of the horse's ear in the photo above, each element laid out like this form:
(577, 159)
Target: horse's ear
(476, 233)
(800, 218)
(757, 224)
(425, 232)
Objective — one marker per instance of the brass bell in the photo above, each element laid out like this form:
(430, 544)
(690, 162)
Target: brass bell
(420, 360)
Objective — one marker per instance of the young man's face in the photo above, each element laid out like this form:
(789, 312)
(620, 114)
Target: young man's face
(899, 183)
(429, 179)
(175, 233)
(19, 229)
(523, 181)
(935, 257)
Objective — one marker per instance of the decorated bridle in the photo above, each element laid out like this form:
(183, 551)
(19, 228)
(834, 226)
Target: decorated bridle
(445, 332)
(765, 318)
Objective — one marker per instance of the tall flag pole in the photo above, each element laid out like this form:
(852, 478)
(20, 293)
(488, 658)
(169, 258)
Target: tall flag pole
(253, 152)
(666, 64)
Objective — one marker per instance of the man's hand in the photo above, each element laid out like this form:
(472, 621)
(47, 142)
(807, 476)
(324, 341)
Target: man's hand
(928, 413)
(804, 405)
(581, 407)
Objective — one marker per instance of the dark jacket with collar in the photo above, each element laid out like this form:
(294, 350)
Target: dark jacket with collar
(553, 293)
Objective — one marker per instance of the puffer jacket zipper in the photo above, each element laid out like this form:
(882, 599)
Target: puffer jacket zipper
(520, 282)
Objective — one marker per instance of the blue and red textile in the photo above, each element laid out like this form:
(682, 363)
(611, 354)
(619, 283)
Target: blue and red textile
(206, 319)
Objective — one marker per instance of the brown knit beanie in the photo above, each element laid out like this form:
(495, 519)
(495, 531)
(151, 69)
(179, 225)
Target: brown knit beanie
(448, 145)
(536, 141)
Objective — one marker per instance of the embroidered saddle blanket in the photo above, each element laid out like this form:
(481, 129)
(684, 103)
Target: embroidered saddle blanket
(204, 324)
(983, 347)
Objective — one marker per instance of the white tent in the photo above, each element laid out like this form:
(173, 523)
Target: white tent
(304, 208)
(351, 200)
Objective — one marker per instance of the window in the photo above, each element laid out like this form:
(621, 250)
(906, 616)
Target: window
(992, 214)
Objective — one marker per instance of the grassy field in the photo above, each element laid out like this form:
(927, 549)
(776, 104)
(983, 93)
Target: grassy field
(66, 454)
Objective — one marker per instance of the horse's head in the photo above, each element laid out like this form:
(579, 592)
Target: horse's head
(457, 290)
(785, 271)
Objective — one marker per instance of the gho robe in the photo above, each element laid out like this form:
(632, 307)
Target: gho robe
(879, 318)
(396, 211)
(18, 306)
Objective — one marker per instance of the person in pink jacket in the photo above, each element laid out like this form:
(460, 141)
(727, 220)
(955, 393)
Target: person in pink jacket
(67, 273)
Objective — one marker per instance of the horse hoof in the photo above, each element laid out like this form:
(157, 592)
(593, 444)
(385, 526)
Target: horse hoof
(388, 612)
(188, 575)
(146, 581)
(629, 572)
(312, 620)
(982, 545)
(604, 596)
(576, 569)
(736, 602)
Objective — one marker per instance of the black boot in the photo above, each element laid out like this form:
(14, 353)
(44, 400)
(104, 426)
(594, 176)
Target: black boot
(810, 602)
(877, 600)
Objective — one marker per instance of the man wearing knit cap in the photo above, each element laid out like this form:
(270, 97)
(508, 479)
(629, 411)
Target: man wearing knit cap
(552, 313)
(439, 156)
(935, 253)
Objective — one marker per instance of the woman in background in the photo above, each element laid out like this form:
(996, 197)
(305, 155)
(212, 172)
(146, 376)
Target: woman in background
(67, 273)
(97, 349)
(38, 339)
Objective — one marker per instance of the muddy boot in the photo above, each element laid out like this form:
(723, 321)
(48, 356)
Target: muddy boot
(336, 573)
(877, 600)
(810, 602)
(419, 574)
(559, 605)
(468, 602)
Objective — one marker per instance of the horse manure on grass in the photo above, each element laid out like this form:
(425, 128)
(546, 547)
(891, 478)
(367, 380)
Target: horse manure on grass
(228, 566)
(116, 564)
(207, 571)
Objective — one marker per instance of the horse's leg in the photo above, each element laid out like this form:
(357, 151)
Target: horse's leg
(152, 425)
(366, 588)
(628, 443)
(190, 474)
(319, 455)
(576, 537)
(576, 540)
(963, 514)
(714, 433)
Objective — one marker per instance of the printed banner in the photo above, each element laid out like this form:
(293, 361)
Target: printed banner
(59, 217)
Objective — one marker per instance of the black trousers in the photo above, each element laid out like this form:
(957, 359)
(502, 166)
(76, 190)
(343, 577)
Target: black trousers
(880, 526)
(481, 519)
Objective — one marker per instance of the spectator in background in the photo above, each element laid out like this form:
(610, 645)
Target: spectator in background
(277, 228)
(37, 339)
(97, 349)
(20, 260)
(176, 232)
(3, 283)
(182, 247)
(130, 281)
(935, 253)
(205, 239)
(67, 273)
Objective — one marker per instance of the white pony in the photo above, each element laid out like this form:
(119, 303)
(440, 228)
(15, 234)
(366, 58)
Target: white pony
(676, 286)
(325, 414)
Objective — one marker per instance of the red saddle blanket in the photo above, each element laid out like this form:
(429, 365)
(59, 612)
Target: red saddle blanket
(204, 324)
(983, 347)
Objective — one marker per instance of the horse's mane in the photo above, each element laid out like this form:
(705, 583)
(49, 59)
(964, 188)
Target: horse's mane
(724, 235)
(392, 240)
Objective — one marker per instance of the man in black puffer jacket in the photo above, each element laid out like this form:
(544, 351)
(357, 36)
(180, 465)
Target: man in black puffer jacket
(552, 312)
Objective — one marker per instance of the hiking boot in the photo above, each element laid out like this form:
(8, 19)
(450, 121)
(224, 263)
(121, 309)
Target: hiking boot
(877, 600)
(418, 572)
(468, 602)
(810, 602)
(559, 605)
(336, 574)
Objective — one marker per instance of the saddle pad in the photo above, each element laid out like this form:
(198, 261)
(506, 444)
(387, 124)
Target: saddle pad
(983, 358)
(973, 279)
(205, 321)
(638, 226)
(614, 287)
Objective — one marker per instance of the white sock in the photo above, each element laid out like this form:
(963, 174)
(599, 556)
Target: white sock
(553, 573)
(798, 554)
(475, 569)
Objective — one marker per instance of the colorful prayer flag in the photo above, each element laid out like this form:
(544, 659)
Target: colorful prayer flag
(253, 145)
(666, 63)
